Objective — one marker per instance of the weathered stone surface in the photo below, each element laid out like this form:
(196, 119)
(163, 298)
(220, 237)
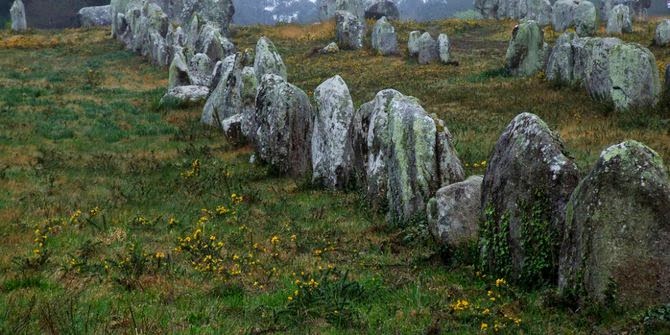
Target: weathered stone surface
(384, 38)
(662, 34)
(18, 13)
(328, 8)
(563, 13)
(178, 72)
(382, 8)
(585, 18)
(213, 44)
(186, 94)
(561, 60)
(225, 101)
(537, 10)
(444, 48)
(527, 184)
(453, 215)
(350, 30)
(332, 152)
(200, 69)
(619, 20)
(413, 43)
(428, 49)
(268, 60)
(634, 77)
(248, 95)
(95, 16)
(331, 48)
(284, 119)
(617, 233)
(526, 51)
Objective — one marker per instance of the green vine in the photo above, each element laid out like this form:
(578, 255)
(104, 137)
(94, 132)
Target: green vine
(539, 243)
(494, 244)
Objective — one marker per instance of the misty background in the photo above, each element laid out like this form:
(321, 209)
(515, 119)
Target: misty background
(305, 11)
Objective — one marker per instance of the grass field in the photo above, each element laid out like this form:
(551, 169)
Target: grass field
(120, 216)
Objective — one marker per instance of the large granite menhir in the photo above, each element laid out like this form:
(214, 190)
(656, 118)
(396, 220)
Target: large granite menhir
(56, 14)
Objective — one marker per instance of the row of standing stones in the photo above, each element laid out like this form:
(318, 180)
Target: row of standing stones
(534, 218)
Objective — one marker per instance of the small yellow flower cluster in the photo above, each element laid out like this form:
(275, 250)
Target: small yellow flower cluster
(476, 165)
(194, 171)
(460, 305)
(237, 199)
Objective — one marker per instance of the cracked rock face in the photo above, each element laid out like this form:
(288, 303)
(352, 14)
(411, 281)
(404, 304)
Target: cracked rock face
(284, 118)
(528, 181)
(617, 233)
(226, 100)
(332, 151)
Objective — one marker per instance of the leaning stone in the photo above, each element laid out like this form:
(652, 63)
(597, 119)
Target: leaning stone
(617, 233)
(428, 49)
(18, 13)
(225, 101)
(95, 16)
(284, 134)
(526, 51)
(413, 43)
(585, 19)
(453, 215)
(444, 48)
(332, 153)
(620, 20)
(527, 184)
(268, 60)
(185, 94)
(662, 34)
(349, 31)
(384, 38)
(382, 8)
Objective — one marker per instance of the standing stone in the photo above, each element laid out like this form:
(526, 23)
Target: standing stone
(638, 8)
(526, 51)
(225, 101)
(95, 16)
(528, 181)
(586, 19)
(211, 43)
(662, 34)
(617, 233)
(332, 152)
(561, 60)
(563, 13)
(428, 49)
(268, 60)
(413, 43)
(284, 119)
(453, 215)
(537, 10)
(186, 94)
(382, 8)
(349, 31)
(634, 77)
(444, 48)
(200, 69)
(248, 95)
(619, 20)
(591, 65)
(384, 38)
(18, 13)
(178, 72)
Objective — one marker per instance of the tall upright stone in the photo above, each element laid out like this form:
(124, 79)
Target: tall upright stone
(349, 30)
(616, 244)
(384, 38)
(332, 151)
(526, 51)
(526, 187)
(18, 13)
